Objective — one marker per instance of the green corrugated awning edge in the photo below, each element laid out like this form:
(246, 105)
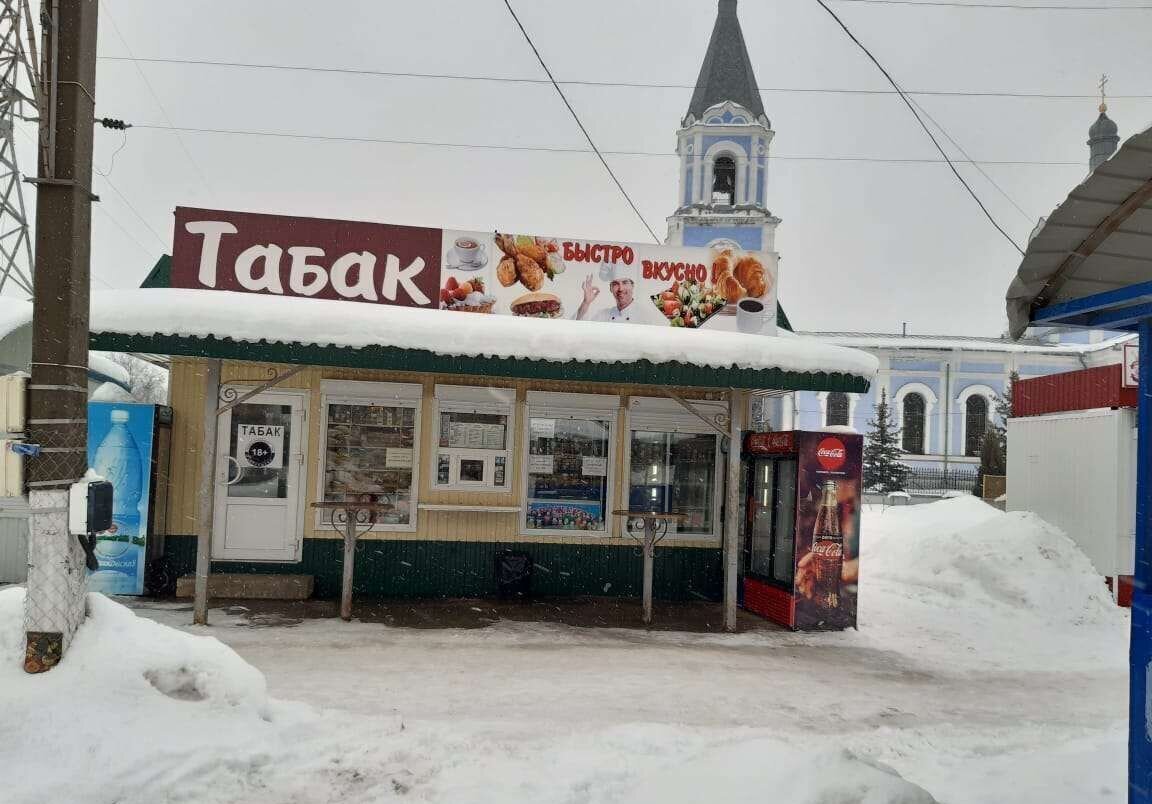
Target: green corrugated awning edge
(161, 277)
(384, 358)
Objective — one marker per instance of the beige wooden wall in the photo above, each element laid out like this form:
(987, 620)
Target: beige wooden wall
(187, 401)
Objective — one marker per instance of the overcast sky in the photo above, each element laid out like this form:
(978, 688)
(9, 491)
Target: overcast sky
(864, 245)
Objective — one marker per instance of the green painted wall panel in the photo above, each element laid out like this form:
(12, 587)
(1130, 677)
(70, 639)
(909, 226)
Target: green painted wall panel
(466, 569)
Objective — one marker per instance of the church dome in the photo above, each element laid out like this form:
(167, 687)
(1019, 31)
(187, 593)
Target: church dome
(1104, 125)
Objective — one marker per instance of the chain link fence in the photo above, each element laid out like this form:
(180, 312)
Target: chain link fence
(55, 601)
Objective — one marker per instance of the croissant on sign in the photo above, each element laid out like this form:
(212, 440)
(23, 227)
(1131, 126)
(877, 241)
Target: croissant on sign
(730, 288)
(749, 272)
(721, 266)
(506, 243)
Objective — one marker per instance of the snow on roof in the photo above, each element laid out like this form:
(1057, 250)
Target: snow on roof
(251, 317)
(885, 340)
(100, 364)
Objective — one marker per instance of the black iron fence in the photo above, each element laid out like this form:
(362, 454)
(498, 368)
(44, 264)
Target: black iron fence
(939, 480)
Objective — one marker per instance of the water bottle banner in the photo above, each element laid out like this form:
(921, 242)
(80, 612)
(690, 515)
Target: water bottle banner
(120, 450)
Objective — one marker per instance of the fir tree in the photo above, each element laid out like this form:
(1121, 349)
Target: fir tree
(994, 450)
(883, 470)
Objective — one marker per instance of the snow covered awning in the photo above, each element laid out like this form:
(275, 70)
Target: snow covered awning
(245, 326)
(1098, 240)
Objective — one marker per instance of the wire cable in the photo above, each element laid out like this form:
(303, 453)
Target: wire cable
(969, 160)
(134, 211)
(559, 149)
(606, 84)
(923, 125)
(107, 12)
(576, 117)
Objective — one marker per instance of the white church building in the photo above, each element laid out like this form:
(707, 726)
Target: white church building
(942, 388)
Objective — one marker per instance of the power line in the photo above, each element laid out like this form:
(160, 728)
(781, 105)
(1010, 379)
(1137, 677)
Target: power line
(1031, 219)
(132, 208)
(559, 149)
(924, 126)
(1014, 6)
(608, 84)
(576, 117)
(156, 98)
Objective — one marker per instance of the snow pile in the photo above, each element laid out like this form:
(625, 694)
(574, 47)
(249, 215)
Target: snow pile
(1001, 584)
(130, 696)
(140, 713)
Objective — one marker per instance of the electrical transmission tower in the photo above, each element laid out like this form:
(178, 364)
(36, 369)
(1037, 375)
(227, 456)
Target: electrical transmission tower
(16, 70)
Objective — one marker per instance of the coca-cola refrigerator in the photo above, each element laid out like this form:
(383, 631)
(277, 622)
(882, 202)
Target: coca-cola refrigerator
(801, 527)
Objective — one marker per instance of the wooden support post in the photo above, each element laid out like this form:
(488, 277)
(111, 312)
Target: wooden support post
(349, 566)
(649, 559)
(207, 490)
(737, 402)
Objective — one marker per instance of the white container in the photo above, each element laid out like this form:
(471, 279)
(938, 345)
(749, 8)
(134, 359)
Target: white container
(1078, 471)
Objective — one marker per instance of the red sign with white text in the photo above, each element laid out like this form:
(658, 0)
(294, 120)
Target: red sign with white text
(721, 287)
(830, 454)
(770, 443)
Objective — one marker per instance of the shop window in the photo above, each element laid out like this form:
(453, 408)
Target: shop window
(674, 472)
(975, 424)
(567, 473)
(370, 453)
(912, 433)
(723, 180)
(473, 438)
(837, 415)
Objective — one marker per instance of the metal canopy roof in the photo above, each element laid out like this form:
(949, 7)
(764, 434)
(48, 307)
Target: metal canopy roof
(1098, 242)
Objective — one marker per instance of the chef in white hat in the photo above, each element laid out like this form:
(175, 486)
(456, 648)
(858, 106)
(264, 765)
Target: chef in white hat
(621, 281)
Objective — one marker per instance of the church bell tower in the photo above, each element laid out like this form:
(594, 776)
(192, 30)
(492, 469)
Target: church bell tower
(723, 145)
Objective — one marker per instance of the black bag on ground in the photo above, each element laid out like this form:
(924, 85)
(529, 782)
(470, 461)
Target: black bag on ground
(513, 573)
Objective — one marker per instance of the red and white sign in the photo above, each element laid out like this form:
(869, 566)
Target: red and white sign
(830, 454)
(1130, 378)
(761, 443)
(723, 288)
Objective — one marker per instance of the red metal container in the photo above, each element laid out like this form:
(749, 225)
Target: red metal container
(1099, 387)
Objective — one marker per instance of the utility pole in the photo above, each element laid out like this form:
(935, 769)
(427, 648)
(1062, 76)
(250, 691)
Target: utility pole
(58, 390)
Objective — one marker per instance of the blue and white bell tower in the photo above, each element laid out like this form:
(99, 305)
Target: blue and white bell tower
(723, 144)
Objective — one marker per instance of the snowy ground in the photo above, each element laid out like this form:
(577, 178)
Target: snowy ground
(989, 666)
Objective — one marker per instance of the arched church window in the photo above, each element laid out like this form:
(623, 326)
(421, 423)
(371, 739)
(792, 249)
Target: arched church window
(975, 424)
(837, 415)
(724, 180)
(912, 437)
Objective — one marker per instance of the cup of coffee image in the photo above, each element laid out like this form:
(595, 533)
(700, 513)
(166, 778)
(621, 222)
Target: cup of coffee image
(750, 315)
(467, 250)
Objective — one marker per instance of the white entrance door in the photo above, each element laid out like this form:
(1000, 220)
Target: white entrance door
(259, 457)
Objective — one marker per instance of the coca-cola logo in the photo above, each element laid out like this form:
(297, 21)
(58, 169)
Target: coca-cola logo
(830, 454)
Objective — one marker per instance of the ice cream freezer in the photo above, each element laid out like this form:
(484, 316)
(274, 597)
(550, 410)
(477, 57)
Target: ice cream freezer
(801, 527)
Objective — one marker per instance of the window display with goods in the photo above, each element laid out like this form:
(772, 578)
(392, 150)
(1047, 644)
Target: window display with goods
(473, 438)
(498, 273)
(567, 472)
(370, 454)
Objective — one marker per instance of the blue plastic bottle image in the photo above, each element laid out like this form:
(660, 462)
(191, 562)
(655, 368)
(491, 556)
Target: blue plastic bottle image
(117, 459)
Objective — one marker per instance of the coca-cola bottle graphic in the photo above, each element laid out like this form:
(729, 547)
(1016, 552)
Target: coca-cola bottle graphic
(828, 548)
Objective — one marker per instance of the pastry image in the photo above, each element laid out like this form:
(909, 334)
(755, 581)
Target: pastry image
(466, 297)
(750, 273)
(506, 272)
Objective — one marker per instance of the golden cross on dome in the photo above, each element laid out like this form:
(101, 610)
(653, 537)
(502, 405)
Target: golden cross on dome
(1102, 85)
